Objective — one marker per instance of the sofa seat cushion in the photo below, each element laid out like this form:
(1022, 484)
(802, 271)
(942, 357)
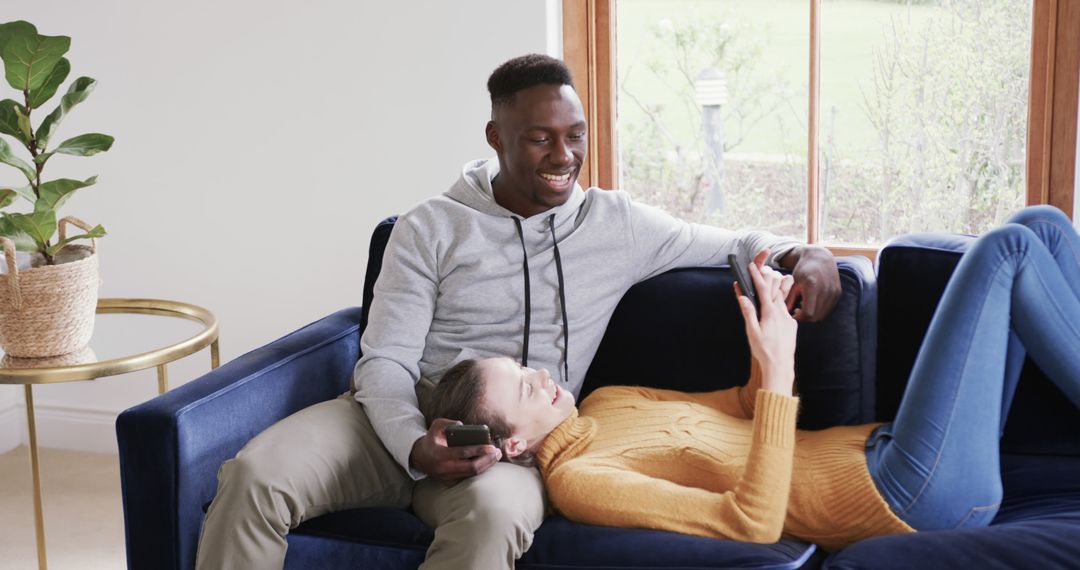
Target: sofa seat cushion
(563, 544)
(1038, 526)
(359, 538)
(379, 538)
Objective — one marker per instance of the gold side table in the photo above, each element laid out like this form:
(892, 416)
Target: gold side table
(86, 365)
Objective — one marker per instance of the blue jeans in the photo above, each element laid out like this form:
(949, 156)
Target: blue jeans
(1016, 291)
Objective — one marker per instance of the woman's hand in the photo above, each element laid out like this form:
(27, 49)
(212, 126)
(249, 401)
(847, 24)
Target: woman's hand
(772, 334)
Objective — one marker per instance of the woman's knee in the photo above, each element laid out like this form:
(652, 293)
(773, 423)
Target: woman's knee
(1040, 214)
(1003, 240)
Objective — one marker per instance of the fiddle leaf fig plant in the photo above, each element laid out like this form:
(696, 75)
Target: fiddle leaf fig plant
(35, 66)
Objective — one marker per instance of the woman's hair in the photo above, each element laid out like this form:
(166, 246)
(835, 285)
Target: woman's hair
(460, 396)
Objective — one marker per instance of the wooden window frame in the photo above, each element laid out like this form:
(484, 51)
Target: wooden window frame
(589, 51)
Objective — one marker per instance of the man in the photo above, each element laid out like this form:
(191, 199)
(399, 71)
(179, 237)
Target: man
(514, 259)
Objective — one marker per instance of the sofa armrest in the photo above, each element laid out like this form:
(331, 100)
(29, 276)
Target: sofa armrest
(172, 446)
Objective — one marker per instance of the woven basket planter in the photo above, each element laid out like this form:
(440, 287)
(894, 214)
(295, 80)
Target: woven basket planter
(49, 310)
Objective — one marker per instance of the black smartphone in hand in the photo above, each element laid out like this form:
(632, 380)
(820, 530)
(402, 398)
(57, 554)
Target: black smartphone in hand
(742, 277)
(457, 436)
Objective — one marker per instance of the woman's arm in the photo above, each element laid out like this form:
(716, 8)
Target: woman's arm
(771, 333)
(772, 343)
(608, 492)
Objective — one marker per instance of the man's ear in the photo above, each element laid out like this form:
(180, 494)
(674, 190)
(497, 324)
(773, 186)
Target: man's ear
(493, 139)
(514, 446)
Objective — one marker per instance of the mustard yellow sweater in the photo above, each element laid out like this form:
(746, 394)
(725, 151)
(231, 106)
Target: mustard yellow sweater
(725, 464)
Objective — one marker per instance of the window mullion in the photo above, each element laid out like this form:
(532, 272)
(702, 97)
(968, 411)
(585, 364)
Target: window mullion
(813, 201)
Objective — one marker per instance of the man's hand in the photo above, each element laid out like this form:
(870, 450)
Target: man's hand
(817, 282)
(450, 465)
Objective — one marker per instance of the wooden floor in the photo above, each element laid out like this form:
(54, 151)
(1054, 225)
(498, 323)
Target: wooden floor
(84, 522)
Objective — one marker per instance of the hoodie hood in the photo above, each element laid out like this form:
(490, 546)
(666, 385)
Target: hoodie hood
(473, 189)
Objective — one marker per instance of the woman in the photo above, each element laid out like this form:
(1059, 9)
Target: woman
(731, 464)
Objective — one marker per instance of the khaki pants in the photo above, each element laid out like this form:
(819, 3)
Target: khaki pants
(328, 458)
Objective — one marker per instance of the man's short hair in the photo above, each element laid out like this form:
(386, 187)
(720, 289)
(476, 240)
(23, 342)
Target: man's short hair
(524, 72)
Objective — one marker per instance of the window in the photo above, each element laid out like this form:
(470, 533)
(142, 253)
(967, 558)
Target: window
(939, 115)
(712, 110)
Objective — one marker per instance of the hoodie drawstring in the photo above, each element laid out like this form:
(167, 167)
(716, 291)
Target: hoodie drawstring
(562, 302)
(528, 306)
(528, 298)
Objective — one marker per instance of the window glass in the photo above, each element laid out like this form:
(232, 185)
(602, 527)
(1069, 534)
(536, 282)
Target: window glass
(712, 109)
(922, 113)
(923, 116)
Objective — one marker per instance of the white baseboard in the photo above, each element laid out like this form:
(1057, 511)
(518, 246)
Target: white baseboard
(57, 426)
(64, 427)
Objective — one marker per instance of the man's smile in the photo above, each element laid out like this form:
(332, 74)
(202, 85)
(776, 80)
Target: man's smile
(558, 181)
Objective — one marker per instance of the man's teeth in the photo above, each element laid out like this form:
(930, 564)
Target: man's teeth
(554, 178)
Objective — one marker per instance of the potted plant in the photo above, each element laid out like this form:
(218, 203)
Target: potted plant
(48, 301)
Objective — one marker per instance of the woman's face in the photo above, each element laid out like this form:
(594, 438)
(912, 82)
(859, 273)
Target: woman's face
(529, 399)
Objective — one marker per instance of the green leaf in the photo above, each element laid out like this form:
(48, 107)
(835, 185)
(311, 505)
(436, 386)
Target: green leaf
(59, 73)
(7, 158)
(7, 197)
(82, 145)
(12, 29)
(30, 58)
(23, 241)
(24, 123)
(26, 192)
(85, 145)
(39, 226)
(76, 93)
(9, 120)
(52, 195)
(96, 232)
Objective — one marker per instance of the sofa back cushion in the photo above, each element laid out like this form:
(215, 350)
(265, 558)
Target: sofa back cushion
(683, 330)
(379, 238)
(913, 271)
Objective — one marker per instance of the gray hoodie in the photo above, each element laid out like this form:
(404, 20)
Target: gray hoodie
(453, 286)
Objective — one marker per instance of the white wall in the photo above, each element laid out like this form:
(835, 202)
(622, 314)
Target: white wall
(257, 145)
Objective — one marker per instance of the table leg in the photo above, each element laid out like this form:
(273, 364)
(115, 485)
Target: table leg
(215, 355)
(39, 515)
(162, 379)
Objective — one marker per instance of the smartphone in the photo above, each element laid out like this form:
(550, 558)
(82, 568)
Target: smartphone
(457, 436)
(743, 279)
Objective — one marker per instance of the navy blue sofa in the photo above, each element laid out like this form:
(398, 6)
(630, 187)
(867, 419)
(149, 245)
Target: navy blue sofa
(680, 330)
